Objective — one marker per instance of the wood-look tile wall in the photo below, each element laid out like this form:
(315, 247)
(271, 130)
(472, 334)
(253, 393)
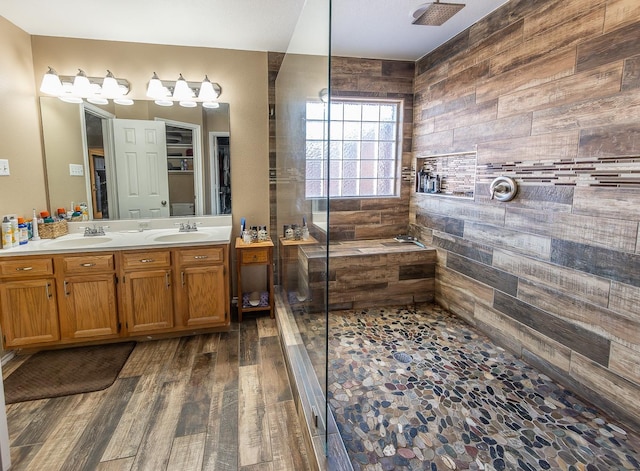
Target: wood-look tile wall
(370, 218)
(548, 92)
(373, 218)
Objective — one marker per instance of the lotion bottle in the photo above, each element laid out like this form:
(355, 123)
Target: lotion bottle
(15, 233)
(7, 233)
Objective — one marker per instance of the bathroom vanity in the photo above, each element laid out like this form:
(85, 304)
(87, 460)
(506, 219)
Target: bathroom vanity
(125, 284)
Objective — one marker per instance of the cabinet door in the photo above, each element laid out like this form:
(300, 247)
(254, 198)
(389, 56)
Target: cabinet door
(203, 295)
(149, 300)
(88, 309)
(29, 312)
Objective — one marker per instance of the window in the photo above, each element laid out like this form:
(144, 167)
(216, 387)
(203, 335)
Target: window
(362, 158)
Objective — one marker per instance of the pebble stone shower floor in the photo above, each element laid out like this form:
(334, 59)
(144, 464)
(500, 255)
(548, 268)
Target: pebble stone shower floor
(419, 389)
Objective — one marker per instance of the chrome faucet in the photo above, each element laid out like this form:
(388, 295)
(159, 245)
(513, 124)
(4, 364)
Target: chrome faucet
(188, 227)
(95, 231)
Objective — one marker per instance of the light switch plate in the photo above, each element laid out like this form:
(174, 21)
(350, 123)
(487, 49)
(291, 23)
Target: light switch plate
(76, 170)
(4, 167)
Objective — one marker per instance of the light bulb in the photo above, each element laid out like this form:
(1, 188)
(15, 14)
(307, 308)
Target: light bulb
(81, 85)
(155, 89)
(207, 92)
(51, 83)
(110, 87)
(182, 92)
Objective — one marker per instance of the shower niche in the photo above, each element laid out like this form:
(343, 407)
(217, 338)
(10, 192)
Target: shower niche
(446, 174)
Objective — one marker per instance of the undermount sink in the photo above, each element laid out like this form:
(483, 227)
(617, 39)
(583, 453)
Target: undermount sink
(79, 242)
(183, 237)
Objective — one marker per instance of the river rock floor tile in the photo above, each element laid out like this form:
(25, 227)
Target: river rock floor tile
(419, 389)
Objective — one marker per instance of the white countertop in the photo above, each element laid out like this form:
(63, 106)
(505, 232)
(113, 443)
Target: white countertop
(127, 235)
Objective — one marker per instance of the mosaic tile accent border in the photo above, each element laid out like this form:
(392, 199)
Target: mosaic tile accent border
(622, 172)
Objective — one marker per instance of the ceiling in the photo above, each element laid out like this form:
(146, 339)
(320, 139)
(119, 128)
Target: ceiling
(360, 28)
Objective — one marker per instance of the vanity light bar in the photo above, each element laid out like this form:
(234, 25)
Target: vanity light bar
(186, 93)
(75, 88)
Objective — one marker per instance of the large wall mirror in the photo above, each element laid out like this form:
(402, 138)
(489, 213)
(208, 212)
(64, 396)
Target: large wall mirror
(138, 161)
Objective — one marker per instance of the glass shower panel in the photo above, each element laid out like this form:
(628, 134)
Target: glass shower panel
(302, 151)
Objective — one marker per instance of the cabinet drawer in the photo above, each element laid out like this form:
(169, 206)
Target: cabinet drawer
(19, 267)
(139, 260)
(88, 263)
(254, 256)
(201, 256)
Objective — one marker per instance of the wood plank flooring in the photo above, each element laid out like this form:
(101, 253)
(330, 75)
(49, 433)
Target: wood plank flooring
(219, 401)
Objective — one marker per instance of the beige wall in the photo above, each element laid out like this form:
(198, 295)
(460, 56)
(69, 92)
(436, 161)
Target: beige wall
(20, 141)
(549, 95)
(241, 74)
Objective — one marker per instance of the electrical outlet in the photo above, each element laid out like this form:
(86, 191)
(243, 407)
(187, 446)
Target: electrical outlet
(76, 170)
(4, 167)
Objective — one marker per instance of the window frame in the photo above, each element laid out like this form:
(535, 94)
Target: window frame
(399, 127)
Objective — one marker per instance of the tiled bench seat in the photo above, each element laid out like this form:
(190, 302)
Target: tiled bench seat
(367, 273)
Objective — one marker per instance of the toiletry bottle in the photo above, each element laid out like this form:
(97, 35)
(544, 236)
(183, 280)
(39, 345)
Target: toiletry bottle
(46, 217)
(85, 211)
(15, 232)
(436, 184)
(423, 178)
(23, 233)
(7, 233)
(35, 235)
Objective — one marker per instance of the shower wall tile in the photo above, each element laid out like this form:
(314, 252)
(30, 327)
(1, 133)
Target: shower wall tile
(614, 233)
(624, 361)
(552, 67)
(515, 241)
(573, 336)
(599, 82)
(445, 224)
(573, 31)
(616, 45)
(631, 74)
(565, 280)
(617, 203)
(459, 293)
(610, 264)
(625, 299)
(471, 250)
(490, 276)
(606, 322)
(619, 108)
(550, 350)
(608, 384)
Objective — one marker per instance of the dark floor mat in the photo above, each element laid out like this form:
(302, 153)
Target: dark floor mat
(54, 373)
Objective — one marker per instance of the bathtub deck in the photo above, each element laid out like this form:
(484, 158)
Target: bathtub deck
(367, 273)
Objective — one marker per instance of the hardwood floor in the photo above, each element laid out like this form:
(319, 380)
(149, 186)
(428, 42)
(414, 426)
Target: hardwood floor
(218, 401)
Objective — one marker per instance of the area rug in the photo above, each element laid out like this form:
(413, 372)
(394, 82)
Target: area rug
(54, 373)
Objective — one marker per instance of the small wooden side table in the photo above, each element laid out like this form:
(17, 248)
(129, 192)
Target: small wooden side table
(288, 254)
(256, 253)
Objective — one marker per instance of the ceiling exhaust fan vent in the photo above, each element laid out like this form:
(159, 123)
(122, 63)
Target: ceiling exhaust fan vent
(436, 14)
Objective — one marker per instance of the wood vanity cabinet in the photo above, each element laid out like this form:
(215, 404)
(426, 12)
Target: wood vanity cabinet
(202, 294)
(28, 308)
(87, 296)
(68, 298)
(147, 291)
